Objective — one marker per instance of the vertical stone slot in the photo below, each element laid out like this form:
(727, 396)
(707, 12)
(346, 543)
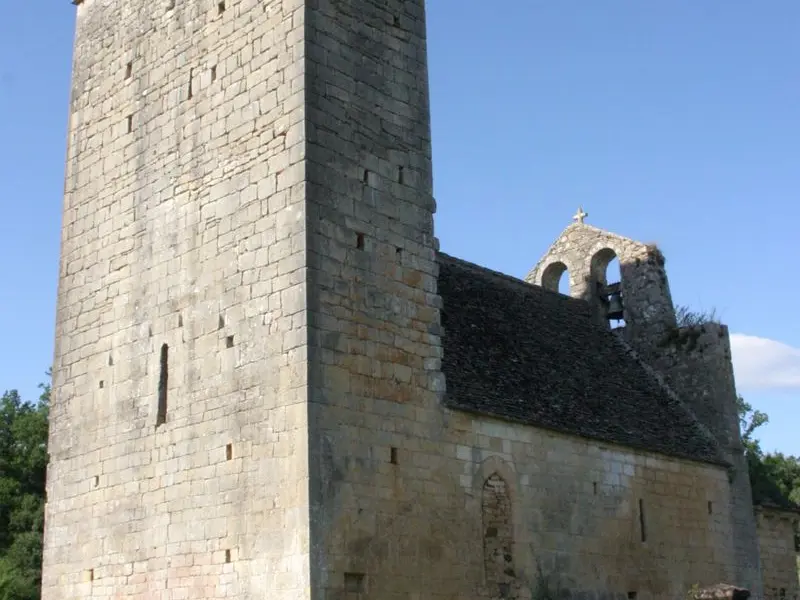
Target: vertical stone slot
(163, 380)
(227, 556)
(594, 488)
(632, 595)
(221, 322)
(360, 241)
(96, 480)
(710, 507)
(180, 320)
(102, 384)
(400, 175)
(110, 361)
(229, 341)
(498, 535)
(229, 452)
(191, 77)
(393, 456)
(221, 7)
(398, 252)
(354, 583)
(642, 521)
(365, 176)
(130, 123)
(128, 70)
(213, 73)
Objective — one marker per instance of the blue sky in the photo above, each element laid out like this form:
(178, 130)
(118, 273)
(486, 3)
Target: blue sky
(673, 122)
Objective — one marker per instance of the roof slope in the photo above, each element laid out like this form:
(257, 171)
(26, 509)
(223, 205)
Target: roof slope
(519, 352)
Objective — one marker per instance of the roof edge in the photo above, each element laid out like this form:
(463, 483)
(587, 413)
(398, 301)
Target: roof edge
(656, 376)
(721, 463)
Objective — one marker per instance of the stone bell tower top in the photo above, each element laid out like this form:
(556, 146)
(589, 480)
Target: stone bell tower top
(641, 299)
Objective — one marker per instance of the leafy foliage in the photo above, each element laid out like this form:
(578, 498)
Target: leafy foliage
(23, 465)
(775, 477)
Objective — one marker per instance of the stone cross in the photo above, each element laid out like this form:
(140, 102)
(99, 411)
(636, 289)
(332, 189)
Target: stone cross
(580, 215)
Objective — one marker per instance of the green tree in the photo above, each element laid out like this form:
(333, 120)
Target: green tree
(23, 465)
(749, 421)
(774, 477)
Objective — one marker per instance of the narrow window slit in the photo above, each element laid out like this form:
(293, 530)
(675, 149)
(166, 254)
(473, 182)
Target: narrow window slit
(128, 70)
(642, 521)
(110, 361)
(221, 322)
(180, 320)
(400, 175)
(227, 556)
(130, 123)
(96, 480)
(393, 456)
(213, 73)
(632, 595)
(229, 452)
(360, 241)
(163, 380)
(710, 507)
(594, 488)
(366, 176)
(398, 253)
(102, 384)
(191, 77)
(221, 8)
(229, 341)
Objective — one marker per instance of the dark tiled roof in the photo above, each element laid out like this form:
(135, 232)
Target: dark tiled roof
(519, 352)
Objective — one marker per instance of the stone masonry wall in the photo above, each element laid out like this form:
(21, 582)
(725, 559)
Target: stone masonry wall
(576, 513)
(418, 527)
(183, 225)
(374, 348)
(696, 363)
(779, 564)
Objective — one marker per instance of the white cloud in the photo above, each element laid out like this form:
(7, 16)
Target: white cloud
(761, 363)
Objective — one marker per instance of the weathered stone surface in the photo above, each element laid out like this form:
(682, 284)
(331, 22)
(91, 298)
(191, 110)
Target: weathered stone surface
(721, 591)
(779, 560)
(183, 225)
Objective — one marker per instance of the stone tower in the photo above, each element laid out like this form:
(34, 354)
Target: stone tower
(694, 359)
(247, 292)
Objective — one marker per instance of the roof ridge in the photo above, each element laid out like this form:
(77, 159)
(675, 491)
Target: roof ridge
(526, 285)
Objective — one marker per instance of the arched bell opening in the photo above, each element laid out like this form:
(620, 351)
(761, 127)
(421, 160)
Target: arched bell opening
(556, 278)
(606, 279)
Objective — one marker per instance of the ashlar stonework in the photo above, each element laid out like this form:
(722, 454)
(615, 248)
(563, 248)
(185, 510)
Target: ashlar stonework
(302, 398)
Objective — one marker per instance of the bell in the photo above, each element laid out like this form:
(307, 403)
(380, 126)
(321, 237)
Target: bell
(614, 310)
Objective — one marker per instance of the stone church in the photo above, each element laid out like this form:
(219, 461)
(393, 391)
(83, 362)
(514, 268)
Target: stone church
(270, 383)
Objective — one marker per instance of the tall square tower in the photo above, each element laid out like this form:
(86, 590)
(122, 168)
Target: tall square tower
(247, 316)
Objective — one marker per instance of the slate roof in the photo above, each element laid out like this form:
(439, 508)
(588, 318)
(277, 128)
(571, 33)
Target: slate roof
(522, 353)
